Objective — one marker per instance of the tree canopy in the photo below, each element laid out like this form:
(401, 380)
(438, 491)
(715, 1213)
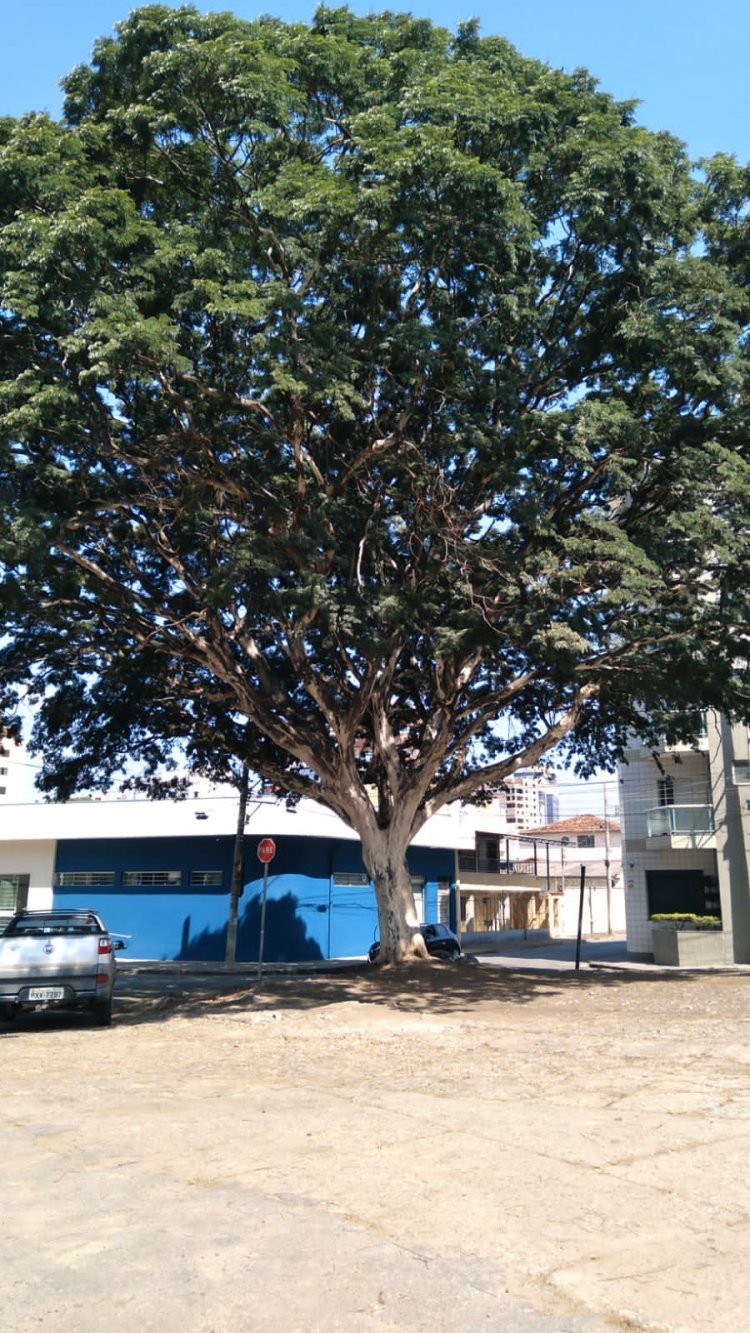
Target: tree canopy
(373, 407)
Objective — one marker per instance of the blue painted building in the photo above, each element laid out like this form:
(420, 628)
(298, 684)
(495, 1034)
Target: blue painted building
(160, 873)
(170, 895)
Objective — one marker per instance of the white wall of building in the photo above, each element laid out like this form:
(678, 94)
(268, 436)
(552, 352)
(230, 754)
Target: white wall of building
(569, 858)
(17, 772)
(35, 859)
(642, 791)
(599, 918)
(531, 799)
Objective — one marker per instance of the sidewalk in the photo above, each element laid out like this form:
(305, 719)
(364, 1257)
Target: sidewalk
(511, 949)
(195, 967)
(537, 948)
(599, 953)
(539, 944)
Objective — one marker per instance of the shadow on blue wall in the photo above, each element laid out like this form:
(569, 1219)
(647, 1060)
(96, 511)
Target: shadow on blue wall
(286, 937)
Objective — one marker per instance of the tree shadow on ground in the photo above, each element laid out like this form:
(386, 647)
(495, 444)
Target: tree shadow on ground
(29, 1023)
(435, 988)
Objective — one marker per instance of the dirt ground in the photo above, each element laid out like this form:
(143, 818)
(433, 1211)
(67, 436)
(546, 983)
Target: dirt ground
(450, 1148)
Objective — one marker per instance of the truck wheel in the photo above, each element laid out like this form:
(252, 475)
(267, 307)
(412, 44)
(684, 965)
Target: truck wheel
(102, 1011)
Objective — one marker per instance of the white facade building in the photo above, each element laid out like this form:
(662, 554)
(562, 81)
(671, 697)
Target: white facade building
(686, 836)
(30, 834)
(17, 772)
(531, 798)
(594, 843)
(531, 880)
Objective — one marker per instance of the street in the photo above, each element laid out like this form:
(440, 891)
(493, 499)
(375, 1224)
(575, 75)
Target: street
(448, 1148)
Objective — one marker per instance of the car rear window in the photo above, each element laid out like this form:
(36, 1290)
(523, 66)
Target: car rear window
(57, 925)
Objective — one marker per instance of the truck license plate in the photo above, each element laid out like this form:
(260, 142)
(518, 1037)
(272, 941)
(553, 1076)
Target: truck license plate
(46, 993)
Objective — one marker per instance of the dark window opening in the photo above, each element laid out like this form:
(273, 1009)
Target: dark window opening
(14, 892)
(681, 891)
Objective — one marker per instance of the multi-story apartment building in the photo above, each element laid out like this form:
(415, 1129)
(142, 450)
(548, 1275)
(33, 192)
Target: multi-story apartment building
(686, 835)
(16, 772)
(531, 798)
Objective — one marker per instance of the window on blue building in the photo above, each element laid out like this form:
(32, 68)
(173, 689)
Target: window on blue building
(444, 901)
(150, 878)
(417, 888)
(84, 879)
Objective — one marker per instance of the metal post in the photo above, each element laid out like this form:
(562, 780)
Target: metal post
(580, 918)
(262, 922)
(456, 893)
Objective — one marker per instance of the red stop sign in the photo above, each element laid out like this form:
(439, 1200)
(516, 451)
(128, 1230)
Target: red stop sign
(266, 850)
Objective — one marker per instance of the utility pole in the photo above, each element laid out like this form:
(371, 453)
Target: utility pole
(607, 871)
(238, 866)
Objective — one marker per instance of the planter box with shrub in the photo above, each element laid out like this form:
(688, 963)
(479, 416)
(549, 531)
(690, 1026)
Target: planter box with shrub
(683, 939)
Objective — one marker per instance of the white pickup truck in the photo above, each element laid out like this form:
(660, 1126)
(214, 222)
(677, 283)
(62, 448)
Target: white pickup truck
(58, 959)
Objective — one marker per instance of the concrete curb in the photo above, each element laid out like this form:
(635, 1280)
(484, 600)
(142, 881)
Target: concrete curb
(168, 967)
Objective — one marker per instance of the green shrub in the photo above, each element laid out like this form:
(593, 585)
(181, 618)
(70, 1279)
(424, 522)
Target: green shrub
(689, 919)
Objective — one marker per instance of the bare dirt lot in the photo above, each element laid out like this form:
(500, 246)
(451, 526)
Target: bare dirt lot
(452, 1148)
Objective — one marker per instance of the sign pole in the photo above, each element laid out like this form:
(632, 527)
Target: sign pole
(262, 922)
(266, 851)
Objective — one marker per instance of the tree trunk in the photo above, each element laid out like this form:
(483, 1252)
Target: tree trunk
(384, 855)
(238, 869)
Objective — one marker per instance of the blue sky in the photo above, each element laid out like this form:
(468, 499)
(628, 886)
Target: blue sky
(686, 63)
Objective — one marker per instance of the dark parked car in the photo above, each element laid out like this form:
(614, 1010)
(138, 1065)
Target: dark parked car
(439, 939)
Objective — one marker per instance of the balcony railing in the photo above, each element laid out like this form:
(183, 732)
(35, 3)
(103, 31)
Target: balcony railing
(679, 819)
(485, 865)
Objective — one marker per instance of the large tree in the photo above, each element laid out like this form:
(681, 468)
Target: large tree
(373, 398)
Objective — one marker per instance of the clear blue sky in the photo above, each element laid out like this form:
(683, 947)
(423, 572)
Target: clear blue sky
(686, 62)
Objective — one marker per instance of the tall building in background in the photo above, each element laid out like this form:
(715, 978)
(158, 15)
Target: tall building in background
(531, 798)
(16, 773)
